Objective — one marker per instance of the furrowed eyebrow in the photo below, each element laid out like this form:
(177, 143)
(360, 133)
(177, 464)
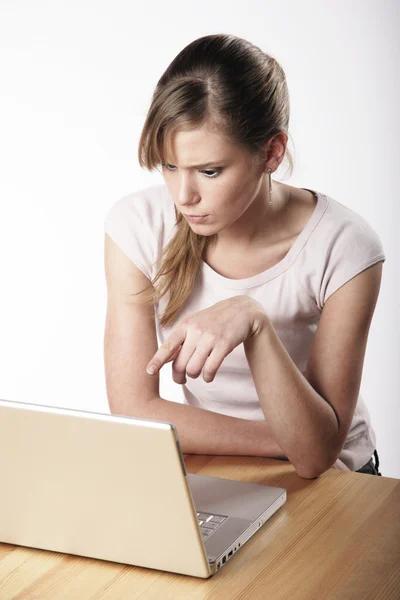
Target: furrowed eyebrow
(203, 166)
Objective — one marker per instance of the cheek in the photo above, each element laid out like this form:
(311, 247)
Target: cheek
(230, 209)
(236, 198)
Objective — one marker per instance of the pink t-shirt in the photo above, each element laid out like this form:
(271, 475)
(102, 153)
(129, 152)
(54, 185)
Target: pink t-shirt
(334, 246)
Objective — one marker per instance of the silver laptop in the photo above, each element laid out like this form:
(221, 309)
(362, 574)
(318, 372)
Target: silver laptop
(115, 488)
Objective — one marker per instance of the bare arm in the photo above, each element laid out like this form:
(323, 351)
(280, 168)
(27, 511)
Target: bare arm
(202, 431)
(310, 416)
(130, 341)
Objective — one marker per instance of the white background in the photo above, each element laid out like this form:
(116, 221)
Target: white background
(76, 82)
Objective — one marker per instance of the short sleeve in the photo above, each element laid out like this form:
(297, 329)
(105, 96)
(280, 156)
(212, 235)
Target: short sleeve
(354, 248)
(135, 224)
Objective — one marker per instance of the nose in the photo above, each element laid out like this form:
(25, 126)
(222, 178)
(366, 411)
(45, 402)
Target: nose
(186, 193)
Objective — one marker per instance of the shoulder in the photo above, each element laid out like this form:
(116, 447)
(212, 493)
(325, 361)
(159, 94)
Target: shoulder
(340, 223)
(341, 245)
(147, 201)
(148, 212)
(137, 224)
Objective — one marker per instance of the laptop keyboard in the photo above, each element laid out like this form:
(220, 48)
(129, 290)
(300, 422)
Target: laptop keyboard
(209, 523)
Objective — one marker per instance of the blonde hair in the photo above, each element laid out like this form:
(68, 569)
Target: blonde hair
(235, 88)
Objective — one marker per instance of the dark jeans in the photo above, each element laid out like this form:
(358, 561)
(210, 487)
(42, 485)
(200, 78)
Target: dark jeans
(370, 468)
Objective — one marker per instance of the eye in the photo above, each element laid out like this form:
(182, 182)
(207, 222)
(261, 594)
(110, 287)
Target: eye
(209, 173)
(212, 173)
(167, 166)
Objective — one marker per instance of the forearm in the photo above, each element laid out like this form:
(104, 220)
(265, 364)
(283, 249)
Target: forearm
(302, 422)
(202, 431)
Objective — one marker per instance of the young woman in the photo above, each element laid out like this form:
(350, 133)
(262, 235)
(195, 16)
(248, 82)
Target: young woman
(267, 290)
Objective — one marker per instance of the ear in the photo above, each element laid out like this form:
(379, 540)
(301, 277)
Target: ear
(274, 151)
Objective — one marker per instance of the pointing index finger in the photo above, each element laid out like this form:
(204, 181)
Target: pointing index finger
(163, 355)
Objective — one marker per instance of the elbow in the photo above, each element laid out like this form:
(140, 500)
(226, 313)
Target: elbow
(310, 475)
(312, 471)
(307, 474)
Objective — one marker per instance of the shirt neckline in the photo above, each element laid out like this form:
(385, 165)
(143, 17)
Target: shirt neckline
(211, 276)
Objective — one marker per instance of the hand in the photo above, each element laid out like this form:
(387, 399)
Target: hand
(206, 337)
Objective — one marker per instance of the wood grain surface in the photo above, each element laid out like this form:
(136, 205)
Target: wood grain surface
(337, 537)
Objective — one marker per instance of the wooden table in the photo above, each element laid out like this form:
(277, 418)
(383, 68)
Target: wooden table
(337, 537)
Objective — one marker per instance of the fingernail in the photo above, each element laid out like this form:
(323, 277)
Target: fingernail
(151, 370)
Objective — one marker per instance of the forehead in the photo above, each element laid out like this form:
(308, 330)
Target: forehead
(188, 148)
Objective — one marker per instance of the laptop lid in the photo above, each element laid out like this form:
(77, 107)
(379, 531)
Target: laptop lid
(103, 486)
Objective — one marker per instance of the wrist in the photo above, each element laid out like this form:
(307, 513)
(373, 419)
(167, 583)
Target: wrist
(261, 321)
